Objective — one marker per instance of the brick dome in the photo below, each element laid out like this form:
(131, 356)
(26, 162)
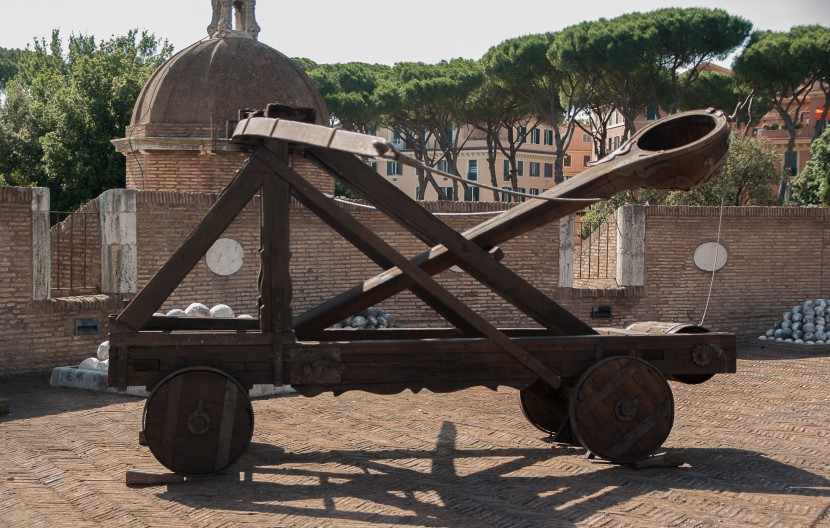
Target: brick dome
(202, 87)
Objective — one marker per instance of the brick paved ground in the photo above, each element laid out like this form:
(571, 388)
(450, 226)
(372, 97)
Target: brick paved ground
(757, 446)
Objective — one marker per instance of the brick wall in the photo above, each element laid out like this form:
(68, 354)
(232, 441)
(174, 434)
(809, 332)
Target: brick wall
(183, 171)
(194, 171)
(323, 264)
(76, 252)
(37, 335)
(776, 259)
(595, 257)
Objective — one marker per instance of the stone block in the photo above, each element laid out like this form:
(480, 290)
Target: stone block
(119, 268)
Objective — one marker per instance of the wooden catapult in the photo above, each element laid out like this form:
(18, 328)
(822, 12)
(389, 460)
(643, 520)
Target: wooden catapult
(605, 390)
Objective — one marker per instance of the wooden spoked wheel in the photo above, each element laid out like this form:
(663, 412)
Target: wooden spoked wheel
(543, 408)
(622, 409)
(198, 421)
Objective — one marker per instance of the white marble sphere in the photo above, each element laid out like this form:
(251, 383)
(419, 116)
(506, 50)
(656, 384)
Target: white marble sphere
(221, 310)
(103, 366)
(197, 310)
(104, 351)
(89, 364)
(175, 312)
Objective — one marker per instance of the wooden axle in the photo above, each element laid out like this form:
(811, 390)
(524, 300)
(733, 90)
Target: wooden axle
(393, 365)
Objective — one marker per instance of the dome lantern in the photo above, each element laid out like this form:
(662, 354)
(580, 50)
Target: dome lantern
(186, 111)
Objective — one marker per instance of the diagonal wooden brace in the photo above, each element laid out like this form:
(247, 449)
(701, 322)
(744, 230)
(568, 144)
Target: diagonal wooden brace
(363, 237)
(466, 253)
(232, 200)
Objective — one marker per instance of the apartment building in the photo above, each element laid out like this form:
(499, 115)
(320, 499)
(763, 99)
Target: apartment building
(773, 131)
(535, 164)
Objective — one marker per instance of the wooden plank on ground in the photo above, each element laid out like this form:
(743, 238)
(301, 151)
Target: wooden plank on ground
(137, 477)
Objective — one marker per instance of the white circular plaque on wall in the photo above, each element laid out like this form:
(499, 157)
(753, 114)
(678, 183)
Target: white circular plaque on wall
(224, 257)
(710, 256)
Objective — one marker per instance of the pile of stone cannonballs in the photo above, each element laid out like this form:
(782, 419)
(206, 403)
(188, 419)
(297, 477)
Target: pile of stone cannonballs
(369, 319)
(806, 324)
(200, 310)
(101, 363)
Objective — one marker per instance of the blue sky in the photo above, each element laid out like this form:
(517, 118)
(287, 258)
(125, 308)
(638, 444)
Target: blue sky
(359, 30)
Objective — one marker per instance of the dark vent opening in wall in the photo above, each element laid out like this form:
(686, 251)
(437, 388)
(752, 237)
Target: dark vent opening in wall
(600, 312)
(86, 326)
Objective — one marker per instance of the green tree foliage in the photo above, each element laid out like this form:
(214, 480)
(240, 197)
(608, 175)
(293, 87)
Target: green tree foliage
(9, 58)
(713, 89)
(500, 113)
(530, 66)
(449, 91)
(620, 59)
(637, 60)
(748, 178)
(690, 38)
(782, 67)
(812, 187)
(422, 103)
(349, 91)
(405, 112)
(64, 106)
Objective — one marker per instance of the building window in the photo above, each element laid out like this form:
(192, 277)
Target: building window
(616, 142)
(374, 165)
(441, 165)
(371, 131)
(567, 160)
(418, 195)
(548, 170)
(504, 196)
(548, 137)
(585, 138)
(520, 198)
(472, 170)
(791, 163)
(506, 170)
(521, 167)
(522, 132)
(534, 169)
(651, 113)
(586, 159)
(534, 191)
(447, 192)
(534, 136)
(394, 168)
(397, 140)
(472, 194)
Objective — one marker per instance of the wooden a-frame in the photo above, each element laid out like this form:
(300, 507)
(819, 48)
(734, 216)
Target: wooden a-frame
(267, 171)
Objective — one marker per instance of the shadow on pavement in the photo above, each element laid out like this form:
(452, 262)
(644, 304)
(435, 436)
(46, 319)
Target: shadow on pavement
(510, 493)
